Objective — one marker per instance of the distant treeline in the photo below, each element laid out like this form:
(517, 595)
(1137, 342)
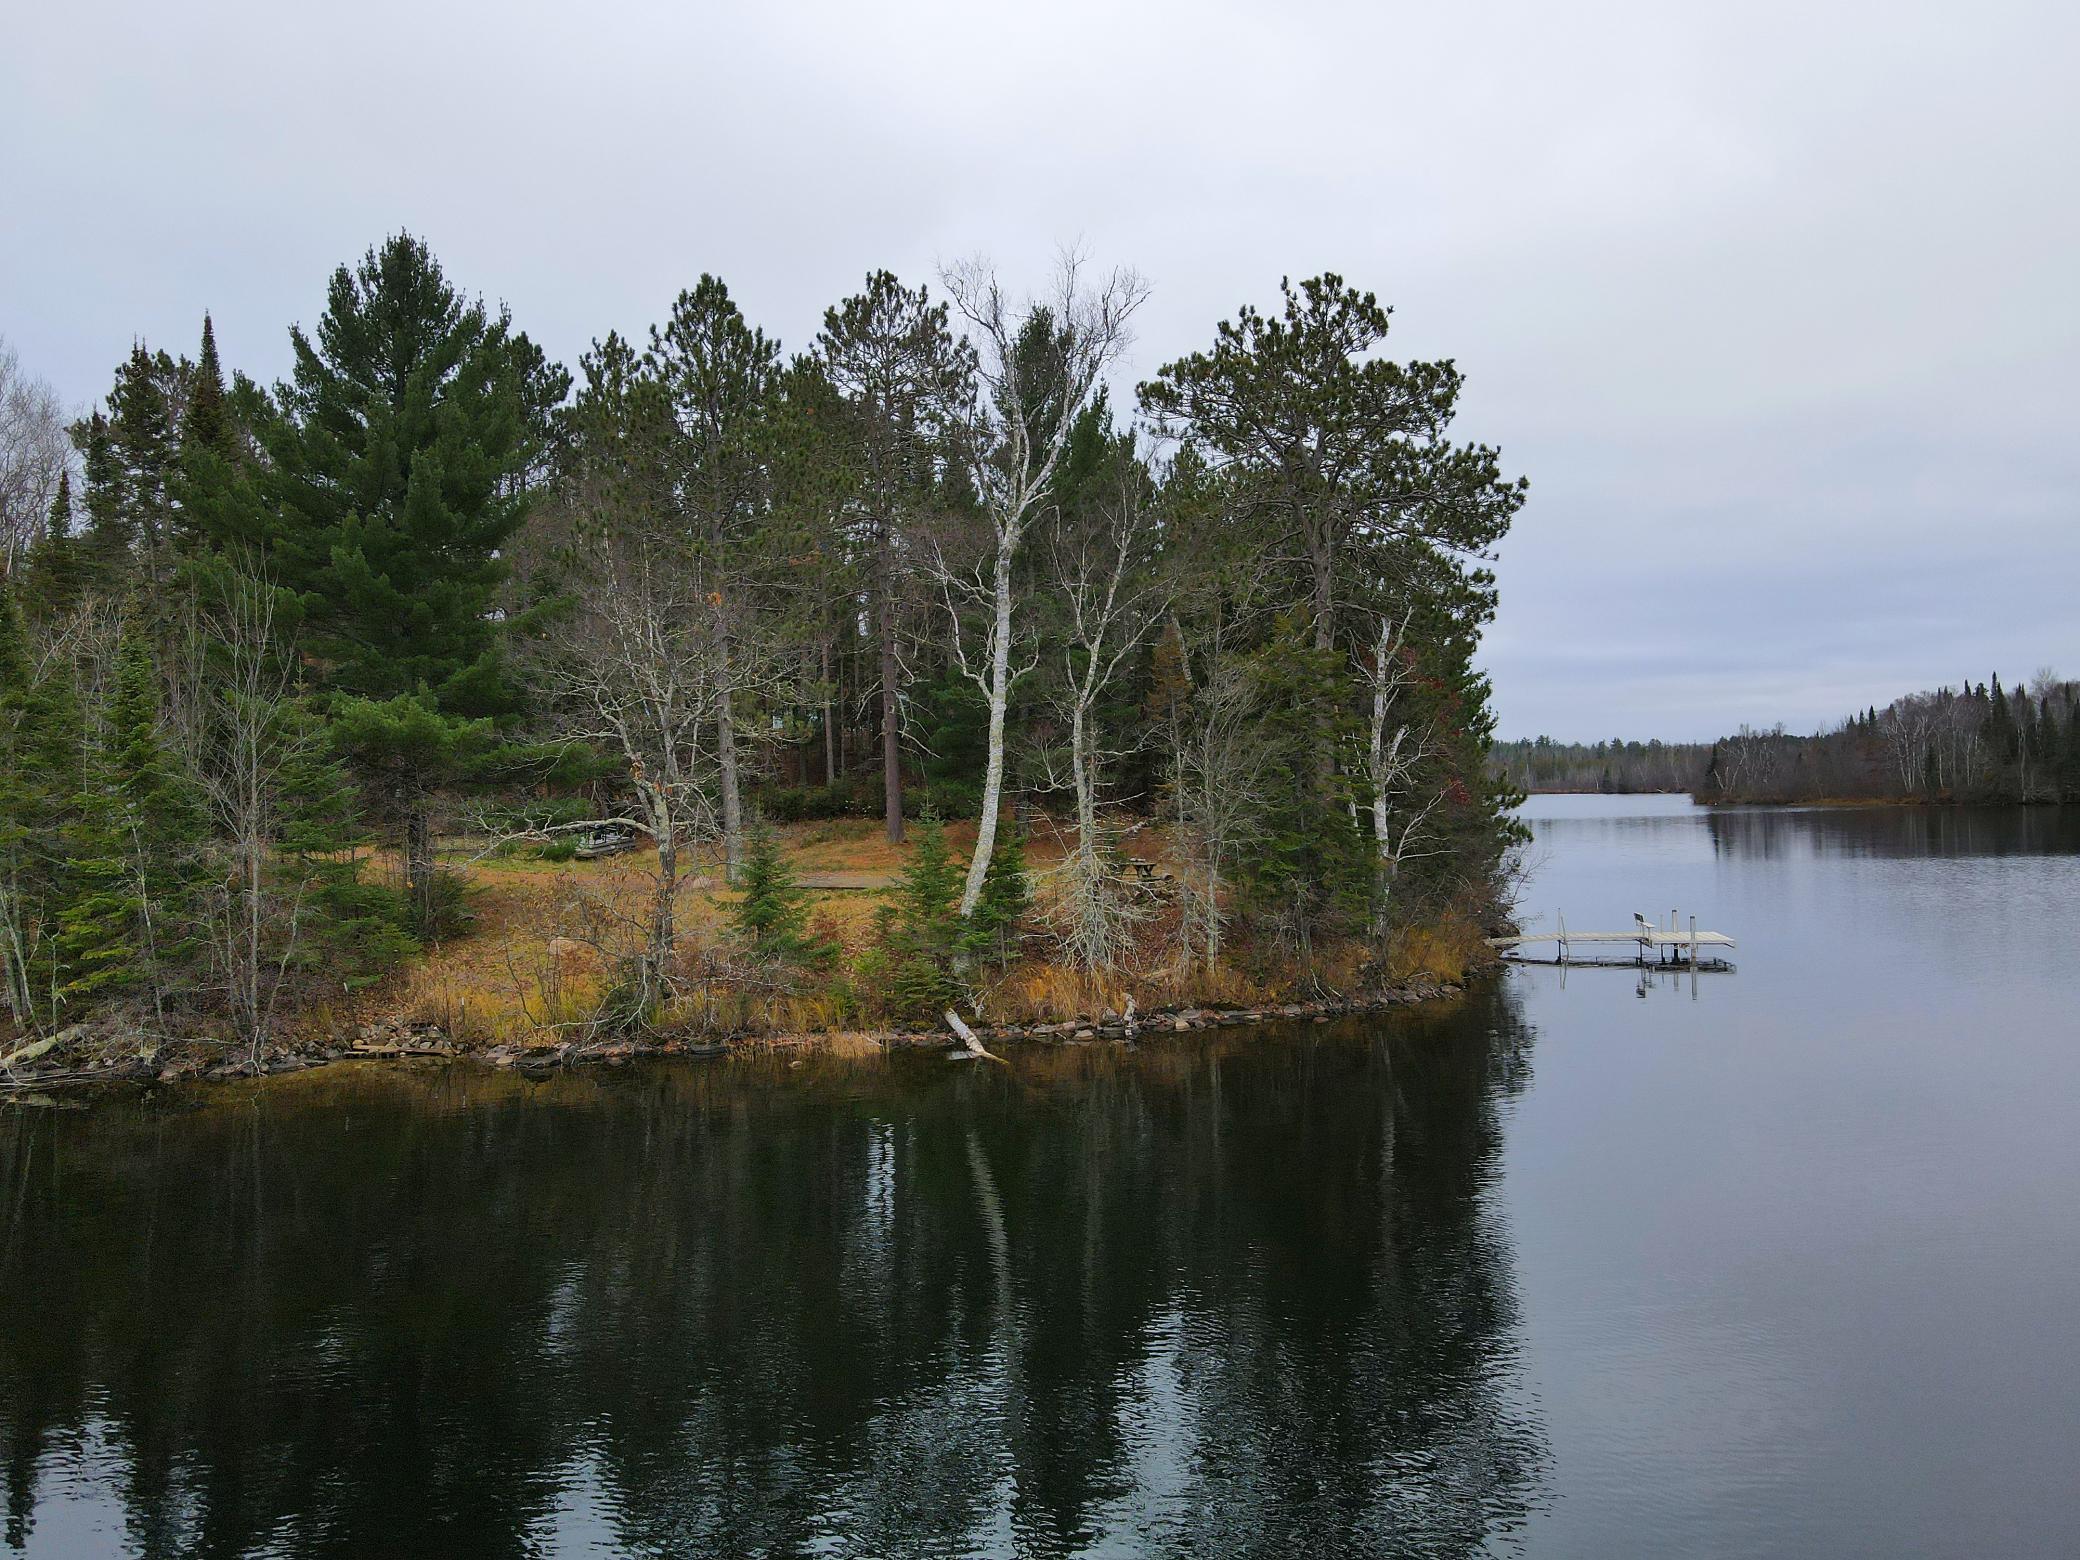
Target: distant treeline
(1541, 764)
(1978, 743)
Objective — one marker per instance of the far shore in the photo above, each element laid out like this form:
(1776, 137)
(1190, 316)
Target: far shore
(1958, 802)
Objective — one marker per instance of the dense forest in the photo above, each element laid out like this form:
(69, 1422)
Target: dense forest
(1978, 743)
(1542, 764)
(1973, 743)
(279, 664)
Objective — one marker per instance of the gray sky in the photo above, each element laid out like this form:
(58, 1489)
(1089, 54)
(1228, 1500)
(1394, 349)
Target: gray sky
(1778, 306)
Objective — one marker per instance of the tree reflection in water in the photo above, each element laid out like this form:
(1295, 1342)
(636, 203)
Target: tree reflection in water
(1908, 833)
(1235, 1295)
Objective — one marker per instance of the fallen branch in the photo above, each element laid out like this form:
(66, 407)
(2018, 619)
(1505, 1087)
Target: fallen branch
(967, 1039)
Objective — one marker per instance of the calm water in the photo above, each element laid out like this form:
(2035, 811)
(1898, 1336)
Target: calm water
(1782, 1262)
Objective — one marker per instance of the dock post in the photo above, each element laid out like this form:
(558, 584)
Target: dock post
(1563, 938)
(1693, 942)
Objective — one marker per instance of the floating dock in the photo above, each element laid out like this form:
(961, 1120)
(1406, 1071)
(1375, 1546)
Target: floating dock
(1648, 943)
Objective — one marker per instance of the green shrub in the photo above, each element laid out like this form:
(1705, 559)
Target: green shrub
(917, 934)
(772, 917)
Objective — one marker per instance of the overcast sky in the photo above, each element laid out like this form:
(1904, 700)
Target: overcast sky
(1777, 306)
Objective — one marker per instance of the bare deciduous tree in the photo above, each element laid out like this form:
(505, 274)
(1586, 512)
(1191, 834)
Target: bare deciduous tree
(1396, 753)
(637, 669)
(235, 715)
(34, 452)
(1113, 593)
(1038, 365)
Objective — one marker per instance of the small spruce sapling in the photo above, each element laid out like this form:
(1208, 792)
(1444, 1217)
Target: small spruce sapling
(920, 929)
(772, 916)
(1007, 895)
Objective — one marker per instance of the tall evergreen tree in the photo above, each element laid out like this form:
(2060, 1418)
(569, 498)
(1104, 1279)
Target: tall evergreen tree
(1338, 446)
(144, 423)
(39, 748)
(207, 423)
(57, 564)
(109, 538)
(132, 920)
(400, 468)
(719, 373)
(904, 377)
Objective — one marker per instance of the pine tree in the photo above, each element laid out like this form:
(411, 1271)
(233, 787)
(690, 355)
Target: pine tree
(56, 566)
(400, 470)
(109, 540)
(216, 497)
(1313, 873)
(132, 920)
(2003, 740)
(145, 446)
(96, 952)
(39, 746)
(1007, 896)
(359, 929)
(207, 423)
(772, 916)
(919, 929)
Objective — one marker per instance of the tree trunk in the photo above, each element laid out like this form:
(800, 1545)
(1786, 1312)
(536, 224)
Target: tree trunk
(732, 795)
(891, 747)
(999, 696)
(830, 737)
(418, 863)
(1086, 791)
(1321, 558)
(663, 930)
(252, 848)
(14, 961)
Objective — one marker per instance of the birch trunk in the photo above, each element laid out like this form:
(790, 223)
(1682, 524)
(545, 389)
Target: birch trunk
(14, 960)
(891, 748)
(732, 793)
(1080, 767)
(664, 904)
(999, 697)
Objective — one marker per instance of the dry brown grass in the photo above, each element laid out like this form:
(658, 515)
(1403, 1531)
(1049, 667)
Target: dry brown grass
(539, 962)
(1447, 950)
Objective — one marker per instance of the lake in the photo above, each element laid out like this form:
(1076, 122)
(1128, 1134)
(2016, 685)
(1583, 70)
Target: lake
(1774, 1262)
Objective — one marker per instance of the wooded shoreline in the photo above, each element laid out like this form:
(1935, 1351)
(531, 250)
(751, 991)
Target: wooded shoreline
(424, 1044)
(438, 683)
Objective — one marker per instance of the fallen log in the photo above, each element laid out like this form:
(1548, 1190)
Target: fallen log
(967, 1038)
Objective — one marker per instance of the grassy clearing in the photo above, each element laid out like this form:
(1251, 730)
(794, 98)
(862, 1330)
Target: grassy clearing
(538, 963)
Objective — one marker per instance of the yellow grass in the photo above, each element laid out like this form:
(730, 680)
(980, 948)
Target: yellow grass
(541, 956)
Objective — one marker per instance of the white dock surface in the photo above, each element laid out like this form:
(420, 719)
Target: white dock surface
(1651, 936)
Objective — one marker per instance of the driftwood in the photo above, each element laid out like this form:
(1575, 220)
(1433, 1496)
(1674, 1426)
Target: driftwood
(968, 1039)
(28, 1053)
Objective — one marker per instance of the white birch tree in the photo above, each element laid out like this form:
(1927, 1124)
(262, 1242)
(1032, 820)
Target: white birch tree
(1112, 593)
(1039, 364)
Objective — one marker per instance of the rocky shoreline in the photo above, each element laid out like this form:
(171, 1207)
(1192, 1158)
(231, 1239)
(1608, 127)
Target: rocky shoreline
(424, 1042)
